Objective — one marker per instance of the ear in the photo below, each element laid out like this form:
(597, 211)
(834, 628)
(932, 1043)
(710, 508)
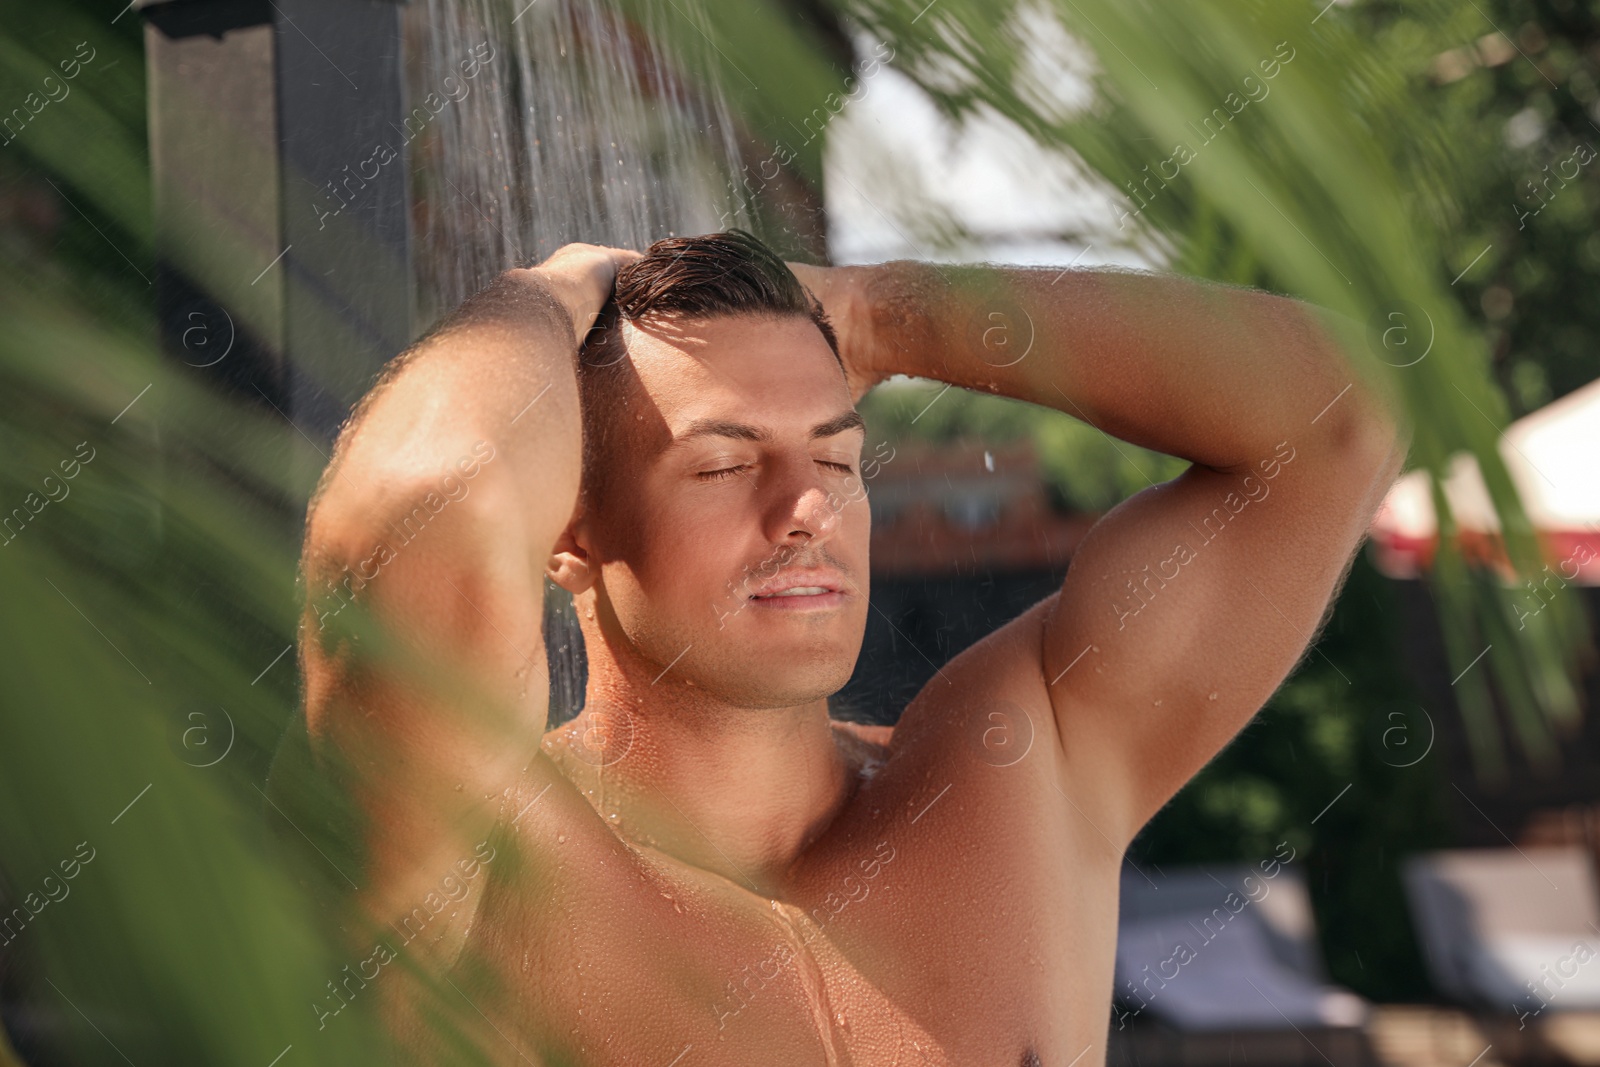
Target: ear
(570, 565)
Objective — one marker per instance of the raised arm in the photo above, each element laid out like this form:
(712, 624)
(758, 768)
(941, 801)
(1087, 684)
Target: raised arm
(1187, 605)
(435, 518)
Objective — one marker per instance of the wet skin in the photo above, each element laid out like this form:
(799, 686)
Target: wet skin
(703, 868)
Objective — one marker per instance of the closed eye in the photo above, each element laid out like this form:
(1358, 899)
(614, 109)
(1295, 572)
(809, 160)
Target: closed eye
(728, 472)
(719, 475)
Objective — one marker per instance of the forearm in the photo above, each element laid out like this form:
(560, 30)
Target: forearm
(1212, 374)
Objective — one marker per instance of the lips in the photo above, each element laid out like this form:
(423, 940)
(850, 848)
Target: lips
(800, 585)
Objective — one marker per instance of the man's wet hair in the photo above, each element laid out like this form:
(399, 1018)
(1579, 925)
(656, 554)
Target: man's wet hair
(733, 273)
(716, 274)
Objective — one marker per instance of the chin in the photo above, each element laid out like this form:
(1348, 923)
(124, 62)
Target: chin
(757, 660)
(760, 682)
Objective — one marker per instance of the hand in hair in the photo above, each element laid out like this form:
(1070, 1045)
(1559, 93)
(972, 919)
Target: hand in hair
(582, 276)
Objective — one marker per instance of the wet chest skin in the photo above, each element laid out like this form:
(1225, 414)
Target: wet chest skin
(957, 912)
(941, 923)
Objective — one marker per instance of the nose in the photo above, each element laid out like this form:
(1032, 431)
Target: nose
(804, 510)
(816, 514)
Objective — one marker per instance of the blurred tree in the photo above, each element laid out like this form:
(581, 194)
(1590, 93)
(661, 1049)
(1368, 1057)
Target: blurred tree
(1517, 85)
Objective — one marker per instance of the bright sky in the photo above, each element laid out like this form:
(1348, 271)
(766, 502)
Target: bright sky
(897, 174)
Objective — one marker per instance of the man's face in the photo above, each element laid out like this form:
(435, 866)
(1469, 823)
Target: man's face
(731, 537)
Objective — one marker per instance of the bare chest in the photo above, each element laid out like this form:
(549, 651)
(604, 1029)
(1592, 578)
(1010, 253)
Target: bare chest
(945, 926)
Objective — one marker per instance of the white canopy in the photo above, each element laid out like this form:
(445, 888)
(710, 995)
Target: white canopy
(1553, 456)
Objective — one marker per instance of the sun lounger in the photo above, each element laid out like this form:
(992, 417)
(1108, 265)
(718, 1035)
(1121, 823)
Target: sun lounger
(1509, 929)
(1225, 949)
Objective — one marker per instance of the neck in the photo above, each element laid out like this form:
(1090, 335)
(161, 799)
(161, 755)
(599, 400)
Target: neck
(738, 791)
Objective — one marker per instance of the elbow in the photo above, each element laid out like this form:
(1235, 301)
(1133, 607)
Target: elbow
(1364, 425)
(1378, 430)
(1399, 446)
(1368, 444)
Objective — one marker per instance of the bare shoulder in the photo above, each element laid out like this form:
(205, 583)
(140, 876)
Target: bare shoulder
(965, 829)
(991, 695)
(979, 735)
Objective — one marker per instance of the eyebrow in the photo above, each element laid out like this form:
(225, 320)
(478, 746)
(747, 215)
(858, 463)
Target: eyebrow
(849, 420)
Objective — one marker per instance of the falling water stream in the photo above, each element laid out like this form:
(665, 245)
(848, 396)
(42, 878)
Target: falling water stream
(580, 126)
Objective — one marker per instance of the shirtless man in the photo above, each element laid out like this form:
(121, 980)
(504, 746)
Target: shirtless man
(703, 869)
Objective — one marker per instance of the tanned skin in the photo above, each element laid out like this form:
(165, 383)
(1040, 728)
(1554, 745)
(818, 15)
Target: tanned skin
(703, 865)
